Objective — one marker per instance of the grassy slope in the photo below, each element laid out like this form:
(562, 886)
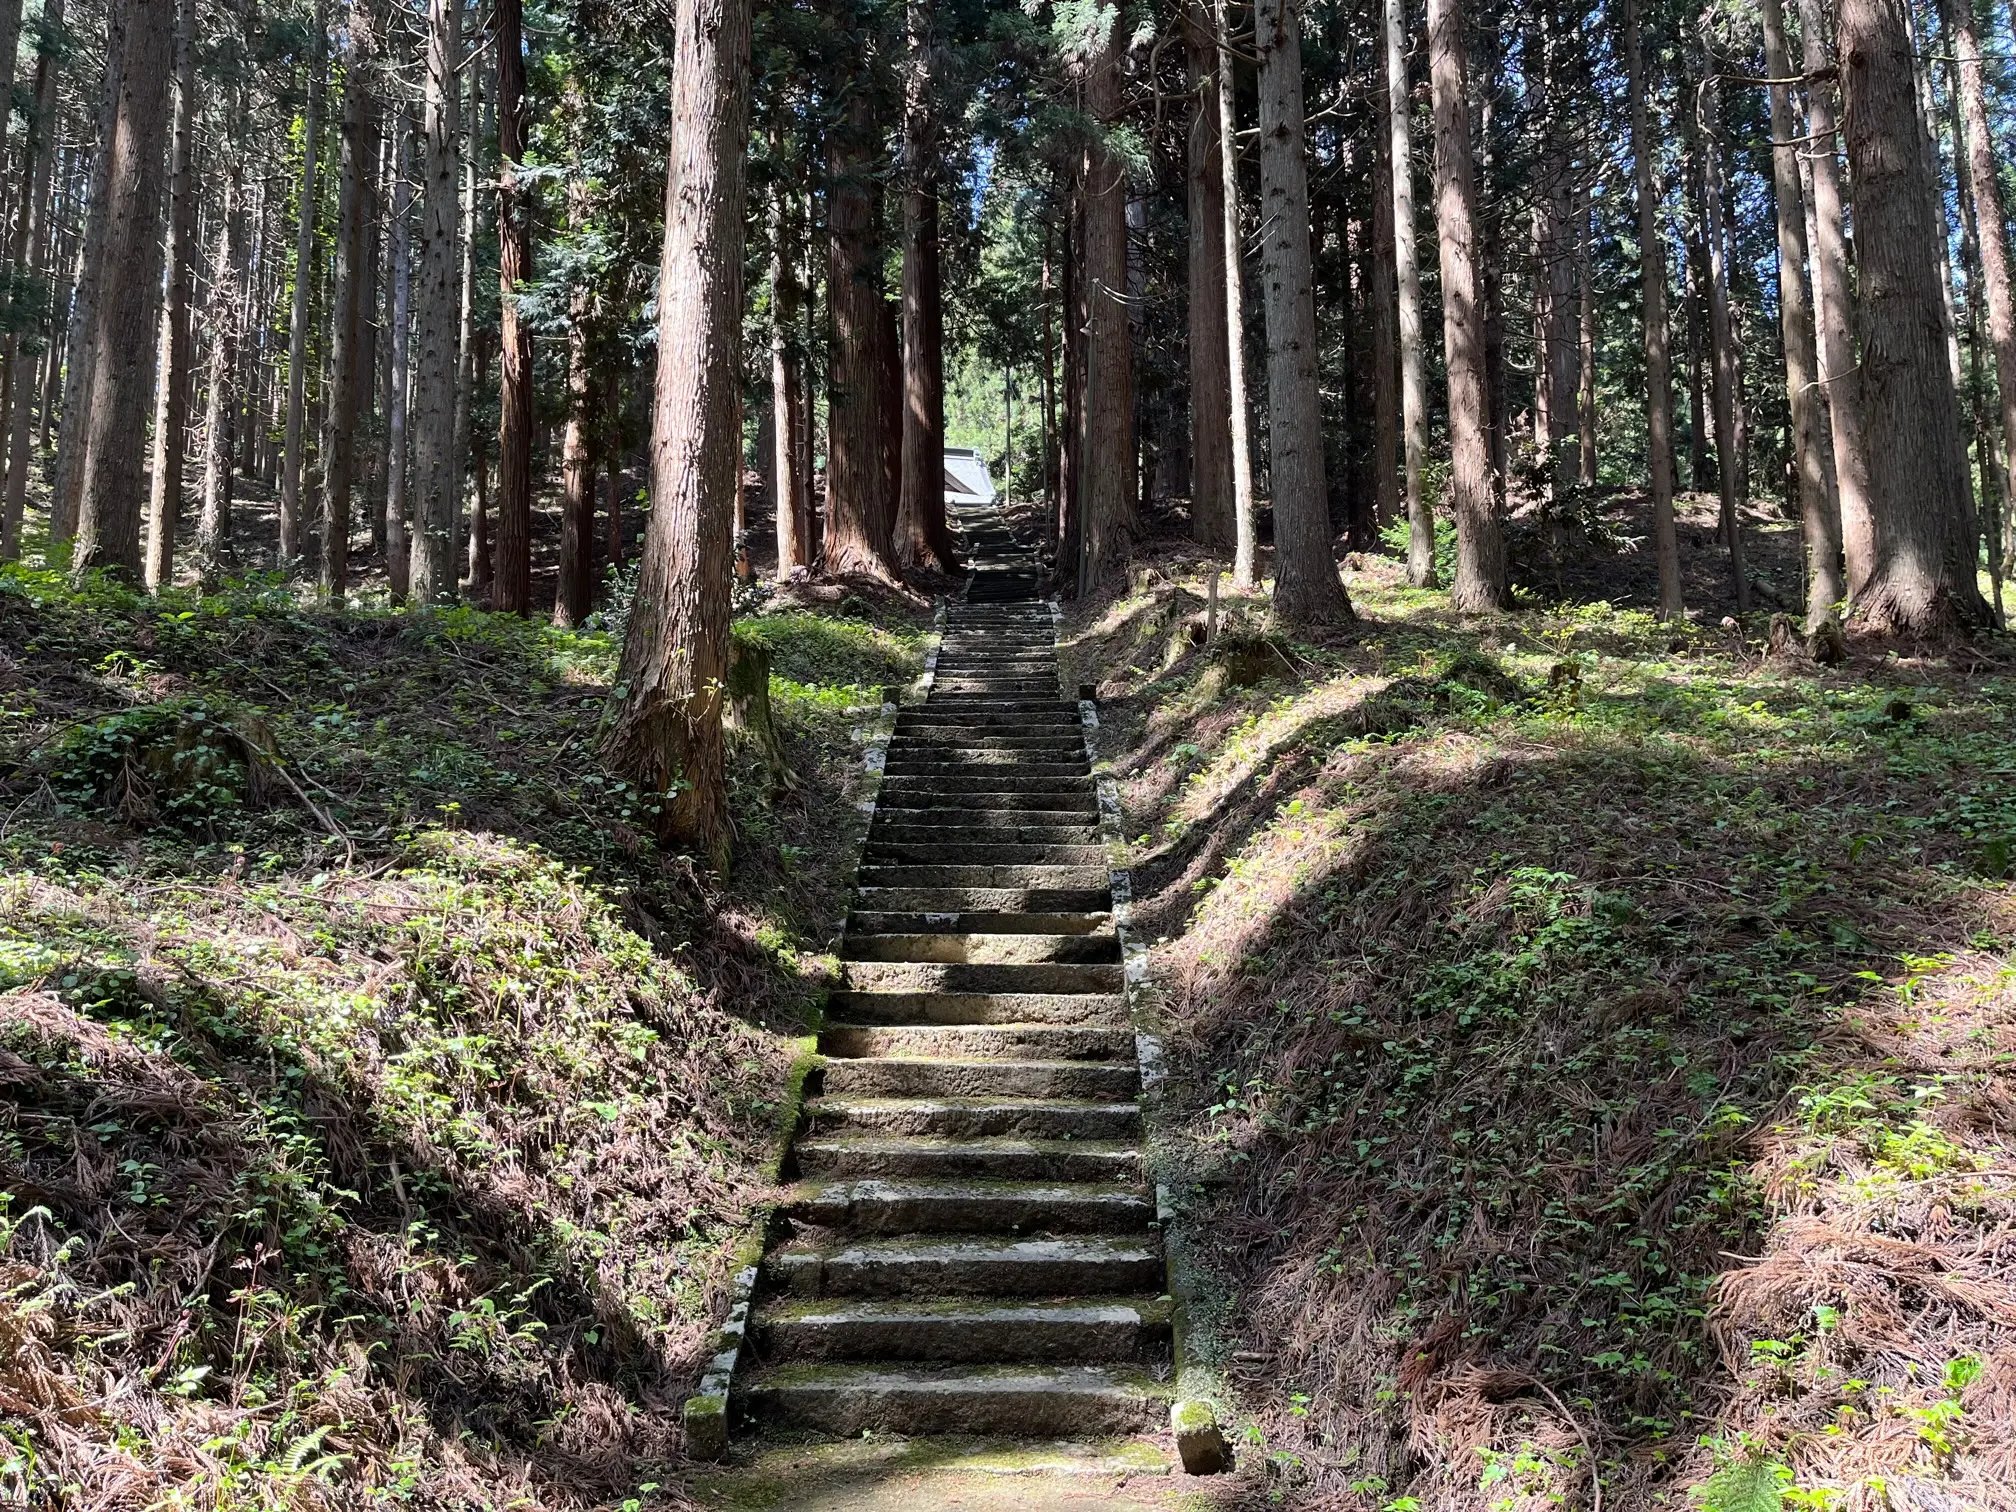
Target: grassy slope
(1617, 1071)
(379, 1131)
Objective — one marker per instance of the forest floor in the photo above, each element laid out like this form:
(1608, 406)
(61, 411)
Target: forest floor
(380, 1109)
(1591, 1039)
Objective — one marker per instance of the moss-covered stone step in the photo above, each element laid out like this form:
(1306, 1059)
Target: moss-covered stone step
(975, 1117)
(1083, 1330)
(945, 763)
(1025, 1400)
(999, 1159)
(922, 1265)
(1012, 1042)
(1037, 901)
(980, 949)
(929, 1006)
(890, 1075)
(876, 1205)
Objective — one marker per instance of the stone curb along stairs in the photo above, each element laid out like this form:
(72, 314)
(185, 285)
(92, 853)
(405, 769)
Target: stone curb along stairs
(972, 1245)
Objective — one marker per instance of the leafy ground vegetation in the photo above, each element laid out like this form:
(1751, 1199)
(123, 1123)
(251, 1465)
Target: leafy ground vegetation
(379, 1107)
(1591, 1044)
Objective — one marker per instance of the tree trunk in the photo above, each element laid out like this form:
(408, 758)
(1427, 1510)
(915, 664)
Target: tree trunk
(1833, 300)
(1658, 362)
(667, 735)
(1211, 504)
(1389, 497)
(574, 594)
(1585, 278)
(1108, 510)
(171, 390)
(472, 367)
(1728, 365)
(1922, 577)
(1818, 512)
(857, 529)
(1307, 589)
(31, 239)
(398, 566)
(1992, 231)
(297, 324)
(123, 317)
(513, 538)
(437, 465)
(787, 383)
(357, 159)
(922, 537)
(1245, 548)
(1482, 579)
(614, 442)
(75, 360)
(1421, 571)
(1407, 268)
(226, 319)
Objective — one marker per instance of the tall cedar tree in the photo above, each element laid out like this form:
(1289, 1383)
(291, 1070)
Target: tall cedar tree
(1920, 577)
(436, 465)
(512, 541)
(667, 733)
(1107, 525)
(1307, 589)
(1483, 581)
(1211, 512)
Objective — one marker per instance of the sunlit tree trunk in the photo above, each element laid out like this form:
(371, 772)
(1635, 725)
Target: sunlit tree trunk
(1922, 577)
(1108, 504)
(1833, 303)
(1211, 509)
(513, 524)
(1585, 389)
(121, 334)
(1307, 588)
(437, 465)
(921, 537)
(857, 516)
(1992, 228)
(1818, 513)
(225, 317)
(1658, 361)
(1245, 549)
(574, 592)
(1407, 269)
(1728, 365)
(787, 383)
(1482, 578)
(398, 565)
(297, 322)
(667, 734)
(357, 159)
(171, 388)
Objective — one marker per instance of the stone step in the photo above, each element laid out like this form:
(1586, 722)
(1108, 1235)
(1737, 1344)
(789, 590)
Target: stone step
(974, 1117)
(1000, 1159)
(1074, 1330)
(1068, 878)
(1042, 807)
(993, 788)
(942, 1265)
(951, 762)
(1087, 922)
(953, 704)
(955, 683)
(923, 719)
(875, 1206)
(1070, 741)
(882, 851)
(952, 1007)
(991, 900)
(890, 1075)
(1022, 1401)
(1107, 1045)
(898, 832)
(934, 976)
(979, 949)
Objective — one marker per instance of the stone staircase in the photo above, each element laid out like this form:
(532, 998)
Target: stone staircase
(971, 1247)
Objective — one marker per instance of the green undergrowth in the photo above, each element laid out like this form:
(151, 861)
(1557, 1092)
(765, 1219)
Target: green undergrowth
(1590, 1044)
(380, 1107)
